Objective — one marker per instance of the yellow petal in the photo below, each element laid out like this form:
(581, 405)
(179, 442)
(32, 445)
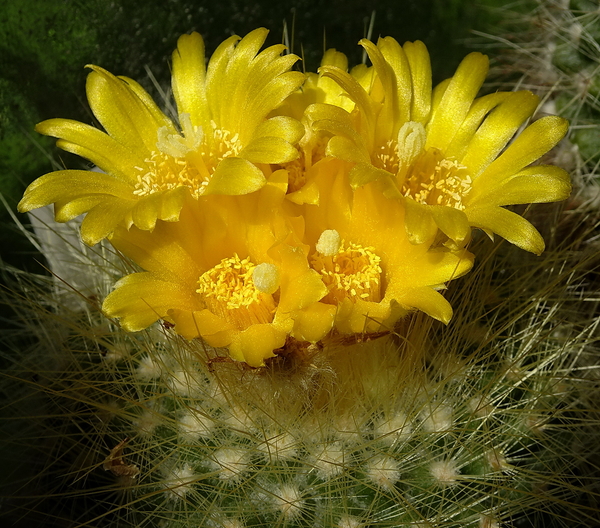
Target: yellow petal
(70, 184)
(429, 301)
(419, 223)
(345, 149)
(172, 203)
(354, 90)
(283, 127)
(94, 145)
(508, 225)
(256, 343)
(538, 184)
(364, 173)
(478, 112)
(102, 219)
(269, 150)
(235, 176)
(121, 112)
(216, 80)
(438, 93)
(314, 323)
(452, 222)
(426, 268)
(141, 299)
(189, 73)
(67, 210)
(146, 211)
(213, 329)
(420, 70)
(396, 57)
(497, 130)
(457, 100)
(530, 145)
(361, 316)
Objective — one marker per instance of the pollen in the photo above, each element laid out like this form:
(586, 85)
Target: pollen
(435, 180)
(353, 272)
(187, 160)
(229, 291)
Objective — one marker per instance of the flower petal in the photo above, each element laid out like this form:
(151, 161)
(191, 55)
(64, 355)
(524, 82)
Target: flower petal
(429, 301)
(284, 127)
(420, 70)
(530, 145)
(121, 112)
(66, 185)
(213, 329)
(457, 100)
(419, 223)
(234, 176)
(452, 222)
(102, 219)
(496, 131)
(141, 299)
(508, 225)
(478, 112)
(538, 184)
(189, 75)
(269, 150)
(314, 323)
(94, 145)
(256, 343)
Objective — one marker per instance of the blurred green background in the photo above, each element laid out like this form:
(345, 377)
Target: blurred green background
(45, 44)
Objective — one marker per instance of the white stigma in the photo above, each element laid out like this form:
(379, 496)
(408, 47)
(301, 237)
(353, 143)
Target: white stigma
(329, 243)
(176, 145)
(411, 141)
(266, 278)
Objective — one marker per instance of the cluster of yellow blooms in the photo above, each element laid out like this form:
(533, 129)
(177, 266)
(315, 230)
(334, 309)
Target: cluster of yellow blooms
(288, 206)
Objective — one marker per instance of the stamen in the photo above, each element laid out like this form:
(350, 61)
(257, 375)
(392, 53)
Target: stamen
(353, 272)
(229, 291)
(185, 160)
(435, 180)
(386, 157)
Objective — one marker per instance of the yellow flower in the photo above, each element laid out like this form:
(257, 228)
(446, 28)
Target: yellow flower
(447, 155)
(225, 272)
(224, 143)
(316, 89)
(374, 275)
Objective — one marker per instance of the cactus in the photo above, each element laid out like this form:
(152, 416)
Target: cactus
(488, 421)
(555, 47)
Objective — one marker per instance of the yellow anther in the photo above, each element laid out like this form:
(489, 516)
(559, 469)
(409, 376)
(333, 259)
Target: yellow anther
(435, 180)
(353, 272)
(186, 160)
(229, 291)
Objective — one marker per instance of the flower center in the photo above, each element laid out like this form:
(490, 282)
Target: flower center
(231, 291)
(435, 180)
(386, 157)
(164, 172)
(298, 168)
(186, 160)
(349, 271)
